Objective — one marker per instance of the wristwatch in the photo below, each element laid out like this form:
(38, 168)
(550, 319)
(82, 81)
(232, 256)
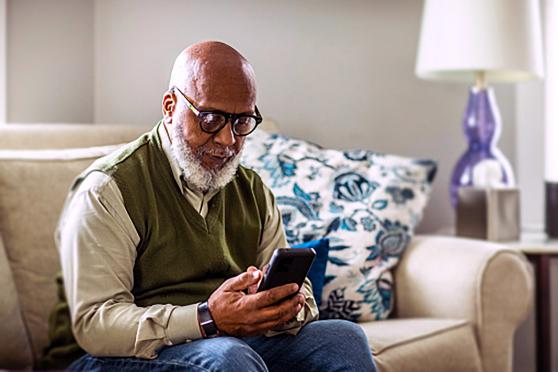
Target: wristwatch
(205, 320)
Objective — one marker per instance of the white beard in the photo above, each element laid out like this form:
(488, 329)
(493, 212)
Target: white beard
(198, 177)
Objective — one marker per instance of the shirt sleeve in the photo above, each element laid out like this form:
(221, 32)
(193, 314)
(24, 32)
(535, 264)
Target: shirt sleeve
(97, 242)
(273, 237)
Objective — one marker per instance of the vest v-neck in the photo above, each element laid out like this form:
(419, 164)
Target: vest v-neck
(182, 257)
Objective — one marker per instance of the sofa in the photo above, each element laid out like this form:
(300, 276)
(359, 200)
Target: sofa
(458, 302)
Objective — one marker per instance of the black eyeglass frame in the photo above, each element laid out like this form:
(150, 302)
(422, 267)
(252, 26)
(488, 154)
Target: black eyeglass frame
(232, 118)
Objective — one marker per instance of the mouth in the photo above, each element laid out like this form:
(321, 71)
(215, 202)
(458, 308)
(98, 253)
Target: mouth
(217, 161)
(220, 157)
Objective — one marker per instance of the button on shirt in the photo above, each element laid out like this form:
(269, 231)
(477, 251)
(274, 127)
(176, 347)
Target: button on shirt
(97, 243)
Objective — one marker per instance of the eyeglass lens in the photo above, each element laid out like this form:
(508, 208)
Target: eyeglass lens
(213, 122)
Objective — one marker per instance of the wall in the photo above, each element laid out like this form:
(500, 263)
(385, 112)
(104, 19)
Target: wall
(530, 153)
(340, 74)
(50, 61)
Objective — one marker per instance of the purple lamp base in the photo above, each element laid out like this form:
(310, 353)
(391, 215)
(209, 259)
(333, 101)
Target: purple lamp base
(482, 164)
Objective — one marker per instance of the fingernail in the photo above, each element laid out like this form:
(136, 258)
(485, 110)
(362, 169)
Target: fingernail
(294, 287)
(255, 275)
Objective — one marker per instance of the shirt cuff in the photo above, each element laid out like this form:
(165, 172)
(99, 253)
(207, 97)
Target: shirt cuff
(183, 325)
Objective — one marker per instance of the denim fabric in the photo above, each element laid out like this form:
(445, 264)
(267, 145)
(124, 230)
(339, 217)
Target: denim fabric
(327, 345)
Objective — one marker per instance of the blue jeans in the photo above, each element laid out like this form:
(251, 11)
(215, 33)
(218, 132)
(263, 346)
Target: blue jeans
(325, 345)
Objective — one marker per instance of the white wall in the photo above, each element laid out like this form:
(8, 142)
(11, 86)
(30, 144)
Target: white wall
(530, 153)
(50, 61)
(340, 74)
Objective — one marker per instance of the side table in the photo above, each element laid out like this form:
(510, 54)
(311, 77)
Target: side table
(539, 250)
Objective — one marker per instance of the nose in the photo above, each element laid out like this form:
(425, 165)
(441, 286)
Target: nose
(225, 136)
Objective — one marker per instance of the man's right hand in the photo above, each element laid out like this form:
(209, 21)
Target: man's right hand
(239, 314)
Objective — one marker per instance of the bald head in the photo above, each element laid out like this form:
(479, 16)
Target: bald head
(212, 76)
(213, 70)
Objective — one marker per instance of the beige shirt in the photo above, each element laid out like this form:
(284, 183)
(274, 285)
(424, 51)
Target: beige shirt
(97, 243)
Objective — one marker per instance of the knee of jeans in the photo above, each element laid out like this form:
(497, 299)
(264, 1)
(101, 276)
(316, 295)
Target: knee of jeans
(231, 352)
(346, 330)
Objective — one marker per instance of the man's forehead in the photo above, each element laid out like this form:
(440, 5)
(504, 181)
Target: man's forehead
(216, 77)
(210, 61)
(227, 100)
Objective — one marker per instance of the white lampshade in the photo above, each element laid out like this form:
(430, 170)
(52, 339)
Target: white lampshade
(461, 37)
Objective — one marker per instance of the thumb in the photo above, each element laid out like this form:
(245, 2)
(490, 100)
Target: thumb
(242, 281)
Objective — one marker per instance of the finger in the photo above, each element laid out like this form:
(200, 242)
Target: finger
(264, 272)
(241, 282)
(286, 309)
(262, 320)
(274, 295)
(272, 323)
(302, 299)
(254, 288)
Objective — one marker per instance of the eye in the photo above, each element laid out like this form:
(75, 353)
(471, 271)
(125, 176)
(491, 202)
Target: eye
(244, 125)
(211, 122)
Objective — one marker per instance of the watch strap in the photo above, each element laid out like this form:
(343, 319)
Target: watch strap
(207, 324)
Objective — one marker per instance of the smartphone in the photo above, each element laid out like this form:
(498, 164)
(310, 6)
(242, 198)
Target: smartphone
(287, 266)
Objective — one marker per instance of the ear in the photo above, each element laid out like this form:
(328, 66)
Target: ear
(168, 106)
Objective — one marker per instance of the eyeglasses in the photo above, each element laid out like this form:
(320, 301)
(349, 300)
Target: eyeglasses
(212, 121)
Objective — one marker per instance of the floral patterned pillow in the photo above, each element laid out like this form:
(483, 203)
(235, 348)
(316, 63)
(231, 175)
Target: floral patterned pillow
(366, 203)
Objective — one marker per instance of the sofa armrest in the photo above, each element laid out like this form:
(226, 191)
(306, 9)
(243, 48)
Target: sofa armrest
(486, 283)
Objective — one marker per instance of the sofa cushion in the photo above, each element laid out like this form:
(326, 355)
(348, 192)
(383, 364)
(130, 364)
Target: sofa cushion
(366, 203)
(423, 345)
(57, 136)
(33, 186)
(16, 353)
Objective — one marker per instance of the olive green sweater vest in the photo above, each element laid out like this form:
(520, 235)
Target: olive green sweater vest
(182, 257)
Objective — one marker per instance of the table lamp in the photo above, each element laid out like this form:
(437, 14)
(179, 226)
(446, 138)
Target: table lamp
(479, 41)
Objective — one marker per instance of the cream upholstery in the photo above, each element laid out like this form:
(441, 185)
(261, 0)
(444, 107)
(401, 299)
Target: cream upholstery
(419, 344)
(484, 283)
(458, 302)
(16, 352)
(33, 186)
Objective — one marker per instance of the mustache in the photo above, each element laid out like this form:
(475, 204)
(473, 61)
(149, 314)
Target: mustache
(223, 152)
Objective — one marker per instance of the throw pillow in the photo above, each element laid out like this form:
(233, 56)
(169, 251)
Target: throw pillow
(317, 271)
(366, 203)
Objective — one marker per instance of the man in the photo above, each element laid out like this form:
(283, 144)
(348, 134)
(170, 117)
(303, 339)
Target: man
(161, 243)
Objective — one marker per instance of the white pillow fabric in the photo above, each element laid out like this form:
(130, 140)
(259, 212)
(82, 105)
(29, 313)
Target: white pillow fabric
(366, 203)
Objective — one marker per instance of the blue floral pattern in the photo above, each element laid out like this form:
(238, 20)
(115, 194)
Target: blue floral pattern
(366, 203)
